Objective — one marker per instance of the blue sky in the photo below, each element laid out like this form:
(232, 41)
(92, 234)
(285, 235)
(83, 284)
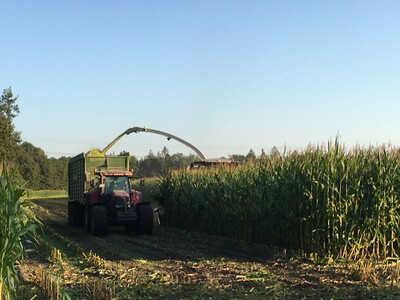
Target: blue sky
(225, 75)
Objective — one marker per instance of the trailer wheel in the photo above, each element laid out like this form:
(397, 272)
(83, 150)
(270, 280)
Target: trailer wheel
(130, 228)
(71, 212)
(75, 213)
(99, 220)
(145, 221)
(88, 219)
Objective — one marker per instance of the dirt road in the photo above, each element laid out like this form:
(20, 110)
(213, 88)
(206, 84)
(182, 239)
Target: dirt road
(172, 264)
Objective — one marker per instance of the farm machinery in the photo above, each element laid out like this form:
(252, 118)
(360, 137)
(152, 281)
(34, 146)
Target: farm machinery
(100, 194)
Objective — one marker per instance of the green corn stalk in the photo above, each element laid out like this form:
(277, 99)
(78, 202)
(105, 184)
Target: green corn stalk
(319, 201)
(17, 224)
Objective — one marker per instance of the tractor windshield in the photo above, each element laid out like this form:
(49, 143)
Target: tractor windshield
(116, 183)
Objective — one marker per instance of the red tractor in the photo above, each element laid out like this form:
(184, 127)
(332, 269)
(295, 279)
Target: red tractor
(100, 193)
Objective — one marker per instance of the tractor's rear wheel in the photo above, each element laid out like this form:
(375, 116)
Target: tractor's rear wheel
(145, 222)
(98, 220)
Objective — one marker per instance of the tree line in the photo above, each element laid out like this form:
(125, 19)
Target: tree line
(38, 171)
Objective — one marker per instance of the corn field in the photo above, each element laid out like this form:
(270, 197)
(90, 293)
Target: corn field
(16, 223)
(321, 201)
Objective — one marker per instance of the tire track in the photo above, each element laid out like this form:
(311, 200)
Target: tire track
(163, 244)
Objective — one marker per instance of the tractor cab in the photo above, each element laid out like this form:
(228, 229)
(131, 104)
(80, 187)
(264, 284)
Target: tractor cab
(108, 181)
(116, 183)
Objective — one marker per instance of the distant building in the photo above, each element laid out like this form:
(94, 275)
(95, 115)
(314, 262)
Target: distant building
(214, 162)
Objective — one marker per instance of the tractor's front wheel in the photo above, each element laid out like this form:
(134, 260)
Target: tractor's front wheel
(145, 222)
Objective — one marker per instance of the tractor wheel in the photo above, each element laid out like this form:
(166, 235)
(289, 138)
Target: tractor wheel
(99, 220)
(145, 221)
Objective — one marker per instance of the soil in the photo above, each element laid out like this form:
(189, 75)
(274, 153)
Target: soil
(172, 264)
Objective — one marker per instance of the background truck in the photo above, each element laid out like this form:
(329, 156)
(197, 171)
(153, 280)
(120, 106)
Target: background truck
(99, 191)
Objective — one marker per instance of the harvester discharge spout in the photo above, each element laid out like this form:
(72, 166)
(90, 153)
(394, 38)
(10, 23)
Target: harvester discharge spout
(145, 129)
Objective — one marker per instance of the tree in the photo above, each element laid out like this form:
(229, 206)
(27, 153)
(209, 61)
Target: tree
(150, 167)
(28, 168)
(164, 153)
(59, 172)
(275, 153)
(9, 137)
(251, 156)
(42, 175)
(162, 163)
(8, 107)
(39, 171)
(263, 155)
(180, 161)
(238, 157)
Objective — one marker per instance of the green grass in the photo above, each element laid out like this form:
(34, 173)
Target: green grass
(35, 194)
